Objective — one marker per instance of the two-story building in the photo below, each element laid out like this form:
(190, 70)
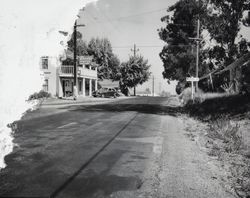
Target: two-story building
(59, 79)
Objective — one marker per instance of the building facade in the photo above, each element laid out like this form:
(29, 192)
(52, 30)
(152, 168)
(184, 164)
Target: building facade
(59, 79)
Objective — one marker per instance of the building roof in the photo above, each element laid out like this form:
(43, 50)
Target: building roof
(109, 83)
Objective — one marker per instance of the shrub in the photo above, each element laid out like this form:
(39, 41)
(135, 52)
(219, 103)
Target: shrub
(186, 96)
(228, 133)
(40, 94)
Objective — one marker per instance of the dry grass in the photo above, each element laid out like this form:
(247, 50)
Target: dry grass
(224, 138)
(225, 141)
(228, 133)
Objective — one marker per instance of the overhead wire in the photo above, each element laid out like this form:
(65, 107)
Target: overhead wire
(140, 14)
(128, 16)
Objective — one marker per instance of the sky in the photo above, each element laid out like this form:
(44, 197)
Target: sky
(129, 22)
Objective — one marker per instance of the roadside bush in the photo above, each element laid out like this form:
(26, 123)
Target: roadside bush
(186, 97)
(228, 133)
(180, 87)
(40, 94)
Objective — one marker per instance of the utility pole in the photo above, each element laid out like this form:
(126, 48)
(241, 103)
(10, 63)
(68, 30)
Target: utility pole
(135, 50)
(197, 52)
(198, 40)
(75, 58)
(75, 63)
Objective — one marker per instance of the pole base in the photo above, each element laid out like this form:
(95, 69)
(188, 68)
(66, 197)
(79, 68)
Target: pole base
(75, 93)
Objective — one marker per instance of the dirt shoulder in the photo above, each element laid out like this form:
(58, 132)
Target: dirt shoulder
(178, 167)
(225, 141)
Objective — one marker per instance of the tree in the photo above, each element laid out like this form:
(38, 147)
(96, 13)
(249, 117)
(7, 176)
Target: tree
(101, 50)
(224, 20)
(221, 19)
(178, 55)
(133, 72)
(82, 48)
(103, 57)
(114, 65)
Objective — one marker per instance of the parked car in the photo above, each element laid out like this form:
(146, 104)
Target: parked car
(105, 93)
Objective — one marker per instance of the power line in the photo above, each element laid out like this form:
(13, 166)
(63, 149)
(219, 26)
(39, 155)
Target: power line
(141, 46)
(128, 16)
(152, 46)
(140, 14)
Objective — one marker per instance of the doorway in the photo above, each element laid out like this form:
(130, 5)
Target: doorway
(67, 85)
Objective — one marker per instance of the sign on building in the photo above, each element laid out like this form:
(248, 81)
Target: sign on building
(85, 60)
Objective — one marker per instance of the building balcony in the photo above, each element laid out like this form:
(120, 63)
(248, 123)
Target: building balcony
(66, 70)
(82, 72)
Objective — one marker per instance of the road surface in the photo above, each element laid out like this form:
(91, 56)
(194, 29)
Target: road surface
(124, 148)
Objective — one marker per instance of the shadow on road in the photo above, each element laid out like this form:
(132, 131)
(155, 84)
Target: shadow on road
(140, 108)
(212, 109)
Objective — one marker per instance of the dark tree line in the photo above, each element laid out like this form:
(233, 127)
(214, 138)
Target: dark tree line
(220, 20)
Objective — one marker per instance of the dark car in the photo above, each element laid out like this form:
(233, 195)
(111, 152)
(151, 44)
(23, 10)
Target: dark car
(105, 93)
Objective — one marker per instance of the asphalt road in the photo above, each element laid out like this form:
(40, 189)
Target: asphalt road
(119, 148)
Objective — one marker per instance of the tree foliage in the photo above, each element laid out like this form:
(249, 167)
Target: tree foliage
(101, 50)
(108, 62)
(82, 48)
(133, 72)
(178, 55)
(224, 20)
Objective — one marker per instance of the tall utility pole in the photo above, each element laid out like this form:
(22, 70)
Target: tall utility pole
(198, 48)
(135, 50)
(75, 63)
(198, 40)
(75, 59)
(197, 51)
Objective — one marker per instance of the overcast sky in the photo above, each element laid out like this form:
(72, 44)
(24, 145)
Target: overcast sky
(129, 22)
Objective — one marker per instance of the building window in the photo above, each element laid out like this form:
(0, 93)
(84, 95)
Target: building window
(80, 85)
(87, 66)
(45, 62)
(93, 84)
(46, 85)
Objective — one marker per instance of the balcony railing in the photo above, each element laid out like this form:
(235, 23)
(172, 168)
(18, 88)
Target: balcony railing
(66, 69)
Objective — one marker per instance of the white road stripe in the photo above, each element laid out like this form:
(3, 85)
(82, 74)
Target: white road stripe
(66, 125)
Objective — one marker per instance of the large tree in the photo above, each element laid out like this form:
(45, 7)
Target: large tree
(224, 20)
(82, 48)
(178, 55)
(220, 20)
(108, 62)
(133, 72)
(101, 50)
